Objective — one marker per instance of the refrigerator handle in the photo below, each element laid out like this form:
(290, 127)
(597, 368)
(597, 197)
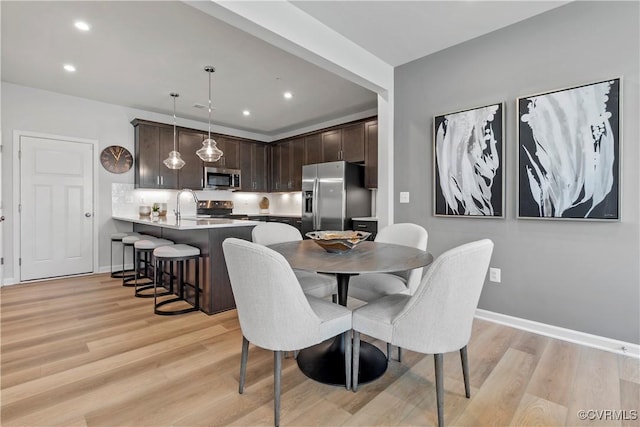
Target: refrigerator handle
(316, 207)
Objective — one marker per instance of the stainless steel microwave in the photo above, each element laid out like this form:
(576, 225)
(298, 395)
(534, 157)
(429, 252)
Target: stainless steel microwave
(221, 179)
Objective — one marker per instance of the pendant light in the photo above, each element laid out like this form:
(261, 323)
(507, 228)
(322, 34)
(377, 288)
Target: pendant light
(174, 161)
(209, 151)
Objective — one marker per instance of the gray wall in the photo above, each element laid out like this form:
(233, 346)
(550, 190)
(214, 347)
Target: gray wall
(578, 275)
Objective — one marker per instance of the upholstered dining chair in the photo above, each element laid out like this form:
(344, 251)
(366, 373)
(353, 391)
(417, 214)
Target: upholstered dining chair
(273, 311)
(437, 318)
(372, 286)
(312, 283)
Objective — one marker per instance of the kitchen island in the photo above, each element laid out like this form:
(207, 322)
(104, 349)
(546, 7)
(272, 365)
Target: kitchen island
(207, 234)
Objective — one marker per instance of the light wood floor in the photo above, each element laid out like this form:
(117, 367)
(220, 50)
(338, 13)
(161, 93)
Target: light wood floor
(84, 351)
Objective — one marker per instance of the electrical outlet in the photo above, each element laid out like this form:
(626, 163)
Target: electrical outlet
(404, 197)
(494, 275)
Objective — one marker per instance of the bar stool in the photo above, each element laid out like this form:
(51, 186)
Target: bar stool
(179, 254)
(127, 242)
(117, 238)
(144, 248)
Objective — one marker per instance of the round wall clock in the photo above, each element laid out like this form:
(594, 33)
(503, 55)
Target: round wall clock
(116, 159)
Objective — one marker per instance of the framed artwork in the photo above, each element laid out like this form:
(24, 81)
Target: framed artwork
(569, 153)
(468, 163)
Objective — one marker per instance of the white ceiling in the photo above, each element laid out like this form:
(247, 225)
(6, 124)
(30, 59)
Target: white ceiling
(138, 52)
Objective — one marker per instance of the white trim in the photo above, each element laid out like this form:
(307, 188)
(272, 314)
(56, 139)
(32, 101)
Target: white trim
(8, 281)
(577, 337)
(16, 192)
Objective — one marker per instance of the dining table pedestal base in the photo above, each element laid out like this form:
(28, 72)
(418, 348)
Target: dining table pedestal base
(324, 362)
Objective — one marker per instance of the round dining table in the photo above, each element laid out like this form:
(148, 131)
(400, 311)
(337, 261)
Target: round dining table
(324, 362)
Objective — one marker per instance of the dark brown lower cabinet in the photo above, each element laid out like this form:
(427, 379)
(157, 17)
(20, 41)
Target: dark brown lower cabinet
(216, 294)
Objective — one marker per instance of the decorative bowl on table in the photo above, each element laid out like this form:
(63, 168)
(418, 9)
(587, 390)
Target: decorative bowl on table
(338, 241)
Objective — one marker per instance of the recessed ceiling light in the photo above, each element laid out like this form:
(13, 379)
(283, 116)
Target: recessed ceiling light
(288, 95)
(70, 68)
(246, 112)
(82, 26)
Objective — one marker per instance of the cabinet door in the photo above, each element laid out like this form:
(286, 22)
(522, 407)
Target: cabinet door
(168, 178)
(247, 180)
(331, 145)
(231, 153)
(285, 165)
(275, 168)
(371, 154)
(313, 149)
(191, 174)
(353, 143)
(297, 160)
(147, 149)
(260, 167)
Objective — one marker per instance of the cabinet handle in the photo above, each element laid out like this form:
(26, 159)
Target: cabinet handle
(361, 226)
(161, 180)
(158, 179)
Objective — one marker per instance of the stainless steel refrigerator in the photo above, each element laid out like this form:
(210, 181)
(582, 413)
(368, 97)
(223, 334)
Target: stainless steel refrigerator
(332, 194)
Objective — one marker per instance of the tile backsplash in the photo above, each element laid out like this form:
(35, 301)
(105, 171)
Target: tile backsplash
(126, 200)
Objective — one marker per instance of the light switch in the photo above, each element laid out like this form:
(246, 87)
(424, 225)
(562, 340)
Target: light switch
(404, 197)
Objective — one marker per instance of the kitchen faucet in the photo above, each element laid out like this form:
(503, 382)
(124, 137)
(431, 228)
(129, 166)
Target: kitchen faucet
(176, 211)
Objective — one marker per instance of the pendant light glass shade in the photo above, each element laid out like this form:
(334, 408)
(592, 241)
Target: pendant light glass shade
(174, 161)
(209, 151)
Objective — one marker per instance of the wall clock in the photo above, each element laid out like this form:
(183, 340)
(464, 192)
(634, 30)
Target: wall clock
(116, 159)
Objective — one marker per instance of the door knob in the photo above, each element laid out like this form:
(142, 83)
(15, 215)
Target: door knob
(87, 214)
(1, 218)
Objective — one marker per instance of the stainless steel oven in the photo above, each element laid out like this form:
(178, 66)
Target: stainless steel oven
(221, 179)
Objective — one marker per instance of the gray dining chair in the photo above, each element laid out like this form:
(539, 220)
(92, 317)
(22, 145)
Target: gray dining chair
(312, 283)
(437, 318)
(275, 314)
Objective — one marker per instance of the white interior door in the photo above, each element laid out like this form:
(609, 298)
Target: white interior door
(56, 208)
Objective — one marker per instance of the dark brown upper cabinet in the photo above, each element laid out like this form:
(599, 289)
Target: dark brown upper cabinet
(191, 174)
(346, 143)
(253, 166)
(230, 153)
(353, 143)
(153, 142)
(287, 159)
(371, 154)
(313, 149)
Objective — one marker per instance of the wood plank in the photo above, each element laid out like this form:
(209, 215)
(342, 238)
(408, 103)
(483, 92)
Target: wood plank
(534, 411)
(630, 402)
(498, 399)
(596, 387)
(553, 378)
(83, 351)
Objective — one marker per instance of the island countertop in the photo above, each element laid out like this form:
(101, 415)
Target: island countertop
(185, 223)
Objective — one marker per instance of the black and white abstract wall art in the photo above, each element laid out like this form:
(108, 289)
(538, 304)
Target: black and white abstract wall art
(569, 153)
(468, 163)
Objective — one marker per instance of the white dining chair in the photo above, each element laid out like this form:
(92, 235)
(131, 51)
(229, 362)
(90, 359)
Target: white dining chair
(312, 283)
(273, 311)
(372, 286)
(437, 318)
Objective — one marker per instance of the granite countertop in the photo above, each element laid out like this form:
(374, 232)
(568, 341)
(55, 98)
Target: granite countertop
(185, 223)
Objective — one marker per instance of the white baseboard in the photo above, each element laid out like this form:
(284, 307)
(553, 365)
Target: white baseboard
(577, 337)
(8, 281)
